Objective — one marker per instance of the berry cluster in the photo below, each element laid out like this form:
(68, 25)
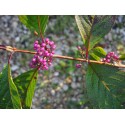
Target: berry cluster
(111, 56)
(78, 65)
(44, 53)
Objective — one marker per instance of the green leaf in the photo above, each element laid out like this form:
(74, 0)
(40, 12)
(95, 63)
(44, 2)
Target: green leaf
(9, 96)
(94, 28)
(105, 86)
(26, 83)
(32, 22)
(122, 57)
(94, 57)
(97, 53)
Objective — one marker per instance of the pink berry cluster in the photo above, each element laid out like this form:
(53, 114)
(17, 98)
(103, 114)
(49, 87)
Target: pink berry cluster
(44, 54)
(78, 65)
(111, 56)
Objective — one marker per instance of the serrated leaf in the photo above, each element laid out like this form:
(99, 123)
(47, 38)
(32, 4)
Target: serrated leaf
(94, 28)
(105, 86)
(97, 53)
(9, 96)
(26, 83)
(32, 22)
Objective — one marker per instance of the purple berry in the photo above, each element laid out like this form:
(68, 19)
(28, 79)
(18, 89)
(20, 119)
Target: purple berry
(49, 63)
(78, 47)
(50, 54)
(35, 56)
(43, 44)
(46, 67)
(34, 59)
(53, 52)
(44, 63)
(42, 49)
(47, 41)
(115, 57)
(54, 46)
(40, 53)
(36, 42)
(111, 53)
(108, 60)
(43, 57)
(47, 54)
(78, 65)
(104, 59)
(35, 45)
(51, 43)
(41, 60)
(108, 56)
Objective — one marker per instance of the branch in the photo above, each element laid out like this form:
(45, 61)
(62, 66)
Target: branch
(89, 61)
(13, 49)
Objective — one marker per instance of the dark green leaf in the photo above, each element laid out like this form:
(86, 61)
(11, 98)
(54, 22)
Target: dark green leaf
(9, 97)
(105, 86)
(32, 22)
(94, 28)
(26, 83)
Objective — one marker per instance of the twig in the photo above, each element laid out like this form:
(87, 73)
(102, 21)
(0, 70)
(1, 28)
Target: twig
(12, 49)
(90, 61)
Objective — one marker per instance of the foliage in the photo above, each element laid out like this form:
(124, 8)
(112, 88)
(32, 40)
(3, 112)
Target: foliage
(8, 92)
(105, 86)
(97, 53)
(25, 84)
(35, 23)
(122, 57)
(94, 28)
(104, 81)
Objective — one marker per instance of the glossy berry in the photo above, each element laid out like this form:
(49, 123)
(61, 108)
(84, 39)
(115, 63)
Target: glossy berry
(111, 56)
(78, 47)
(78, 65)
(44, 53)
